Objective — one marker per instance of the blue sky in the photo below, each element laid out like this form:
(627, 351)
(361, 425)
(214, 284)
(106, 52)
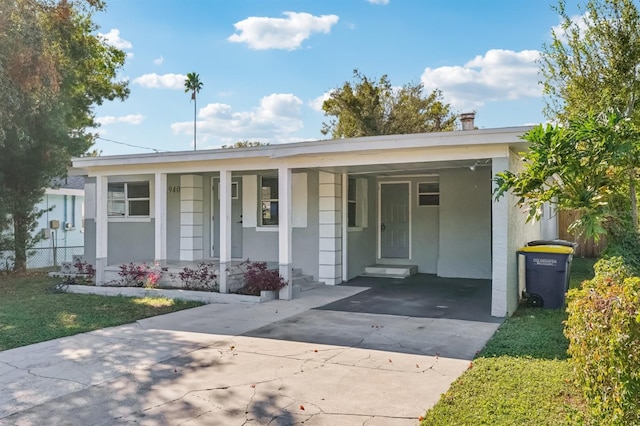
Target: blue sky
(266, 64)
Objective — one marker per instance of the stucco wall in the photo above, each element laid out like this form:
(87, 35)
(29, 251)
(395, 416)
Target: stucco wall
(465, 223)
(130, 242)
(90, 241)
(520, 233)
(361, 242)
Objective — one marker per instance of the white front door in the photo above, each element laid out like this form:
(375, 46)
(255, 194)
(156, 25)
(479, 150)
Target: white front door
(395, 220)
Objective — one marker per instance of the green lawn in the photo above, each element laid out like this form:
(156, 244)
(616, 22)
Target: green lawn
(521, 376)
(30, 312)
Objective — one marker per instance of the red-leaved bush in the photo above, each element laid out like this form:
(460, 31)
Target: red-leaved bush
(257, 278)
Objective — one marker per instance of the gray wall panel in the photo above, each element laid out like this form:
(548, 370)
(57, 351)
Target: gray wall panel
(90, 241)
(173, 218)
(362, 248)
(465, 223)
(131, 242)
(305, 240)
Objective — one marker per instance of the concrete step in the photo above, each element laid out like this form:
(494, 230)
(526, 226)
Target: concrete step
(390, 271)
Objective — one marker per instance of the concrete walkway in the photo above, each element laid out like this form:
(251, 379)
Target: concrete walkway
(234, 365)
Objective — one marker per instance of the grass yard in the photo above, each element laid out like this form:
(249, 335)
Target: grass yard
(30, 312)
(521, 376)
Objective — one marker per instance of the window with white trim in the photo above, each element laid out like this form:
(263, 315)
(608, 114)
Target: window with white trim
(128, 199)
(429, 193)
(269, 200)
(352, 203)
(357, 203)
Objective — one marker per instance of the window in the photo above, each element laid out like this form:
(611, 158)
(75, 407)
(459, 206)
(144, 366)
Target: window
(352, 206)
(130, 199)
(429, 194)
(269, 200)
(234, 190)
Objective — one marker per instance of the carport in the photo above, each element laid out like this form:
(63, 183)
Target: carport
(420, 296)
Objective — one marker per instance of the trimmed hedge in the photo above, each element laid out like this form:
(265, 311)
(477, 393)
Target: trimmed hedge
(603, 328)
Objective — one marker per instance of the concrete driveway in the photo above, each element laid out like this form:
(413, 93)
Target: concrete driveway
(235, 364)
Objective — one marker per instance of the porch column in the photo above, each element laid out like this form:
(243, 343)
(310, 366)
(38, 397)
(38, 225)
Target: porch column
(330, 223)
(500, 265)
(285, 240)
(102, 234)
(191, 217)
(225, 229)
(160, 210)
(345, 226)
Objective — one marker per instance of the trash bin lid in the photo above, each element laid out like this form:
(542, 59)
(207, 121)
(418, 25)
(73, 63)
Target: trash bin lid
(552, 243)
(547, 249)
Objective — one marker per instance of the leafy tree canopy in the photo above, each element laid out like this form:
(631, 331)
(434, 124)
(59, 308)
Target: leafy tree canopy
(246, 144)
(53, 70)
(591, 65)
(366, 107)
(578, 167)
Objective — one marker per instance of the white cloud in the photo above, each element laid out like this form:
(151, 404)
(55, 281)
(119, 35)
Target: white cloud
(316, 103)
(498, 75)
(275, 120)
(164, 81)
(113, 38)
(577, 21)
(288, 33)
(130, 119)
(158, 61)
(378, 1)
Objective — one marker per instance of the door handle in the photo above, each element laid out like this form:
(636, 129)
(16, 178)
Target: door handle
(382, 227)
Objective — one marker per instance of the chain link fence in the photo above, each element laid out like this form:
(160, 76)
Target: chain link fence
(42, 258)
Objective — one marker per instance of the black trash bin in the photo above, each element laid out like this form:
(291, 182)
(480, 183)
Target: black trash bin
(547, 270)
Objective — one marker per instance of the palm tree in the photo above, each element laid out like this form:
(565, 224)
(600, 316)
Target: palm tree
(193, 84)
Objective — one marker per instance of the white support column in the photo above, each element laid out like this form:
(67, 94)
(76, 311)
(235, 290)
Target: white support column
(330, 224)
(345, 226)
(191, 217)
(285, 238)
(500, 247)
(160, 211)
(102, 230)
(225, 229)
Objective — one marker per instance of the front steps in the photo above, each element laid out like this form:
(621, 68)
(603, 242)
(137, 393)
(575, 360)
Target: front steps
(390, 271)
(302, 282)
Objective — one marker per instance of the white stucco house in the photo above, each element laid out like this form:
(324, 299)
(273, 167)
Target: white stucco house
(331, 208)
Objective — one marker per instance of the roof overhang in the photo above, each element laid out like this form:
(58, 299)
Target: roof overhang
(441, 146)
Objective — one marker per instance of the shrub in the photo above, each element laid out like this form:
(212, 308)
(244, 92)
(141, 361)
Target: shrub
(257, 278)
(133, 275)
(603, 328)
(202, 278)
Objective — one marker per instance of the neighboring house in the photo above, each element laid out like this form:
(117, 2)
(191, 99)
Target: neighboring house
(61, 228)
(330, 208)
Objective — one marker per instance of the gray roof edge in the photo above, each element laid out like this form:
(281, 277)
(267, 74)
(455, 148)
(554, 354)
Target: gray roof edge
(273, 150)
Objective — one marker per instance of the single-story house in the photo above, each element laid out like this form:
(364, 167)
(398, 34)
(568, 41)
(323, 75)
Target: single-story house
(330, 208)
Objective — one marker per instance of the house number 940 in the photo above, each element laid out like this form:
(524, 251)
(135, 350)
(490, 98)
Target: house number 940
(174, 189)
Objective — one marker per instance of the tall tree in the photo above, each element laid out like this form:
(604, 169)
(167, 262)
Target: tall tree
(591, 66)
(366, 107)
(193, 84)
(53, 71)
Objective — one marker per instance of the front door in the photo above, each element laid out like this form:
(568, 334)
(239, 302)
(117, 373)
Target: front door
(236, 218)
(394, 220)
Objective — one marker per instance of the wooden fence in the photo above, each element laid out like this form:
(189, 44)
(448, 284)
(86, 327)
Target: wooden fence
(586, 247)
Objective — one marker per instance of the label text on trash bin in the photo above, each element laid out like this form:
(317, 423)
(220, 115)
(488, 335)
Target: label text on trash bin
(545, 262)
